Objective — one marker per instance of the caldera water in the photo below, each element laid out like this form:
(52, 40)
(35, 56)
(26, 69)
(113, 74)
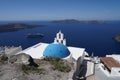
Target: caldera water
(95, 38)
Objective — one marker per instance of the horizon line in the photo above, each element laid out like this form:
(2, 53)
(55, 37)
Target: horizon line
(65, 19)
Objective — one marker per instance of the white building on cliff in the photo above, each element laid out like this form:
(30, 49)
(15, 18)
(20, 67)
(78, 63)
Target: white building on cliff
(108, 68)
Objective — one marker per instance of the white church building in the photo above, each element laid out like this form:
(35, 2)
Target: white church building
(56, 49)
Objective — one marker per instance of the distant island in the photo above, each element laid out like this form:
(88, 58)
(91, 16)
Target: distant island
(117, 38)
(35, 35)
(79, 21)
(16, 27)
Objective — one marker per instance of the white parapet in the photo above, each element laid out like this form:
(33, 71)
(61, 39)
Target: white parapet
(115, 71)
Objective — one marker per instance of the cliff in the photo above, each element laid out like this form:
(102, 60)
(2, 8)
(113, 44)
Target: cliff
(47, 69)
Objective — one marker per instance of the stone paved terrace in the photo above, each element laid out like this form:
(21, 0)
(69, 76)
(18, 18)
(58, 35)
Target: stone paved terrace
(93, 77)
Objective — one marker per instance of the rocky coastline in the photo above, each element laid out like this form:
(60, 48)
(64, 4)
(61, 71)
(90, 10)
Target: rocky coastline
(16, 26)
(117, 38)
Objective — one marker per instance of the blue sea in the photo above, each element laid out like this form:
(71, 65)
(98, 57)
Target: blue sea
(96, 38)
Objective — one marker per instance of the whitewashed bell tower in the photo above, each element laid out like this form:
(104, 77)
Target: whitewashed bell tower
(60, 38)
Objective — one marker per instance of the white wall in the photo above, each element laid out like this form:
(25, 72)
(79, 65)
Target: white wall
(115, 71)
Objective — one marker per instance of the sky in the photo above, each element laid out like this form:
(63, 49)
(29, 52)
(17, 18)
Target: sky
(59, 9)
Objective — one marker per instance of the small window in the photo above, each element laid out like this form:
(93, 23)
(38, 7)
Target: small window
(59, 36)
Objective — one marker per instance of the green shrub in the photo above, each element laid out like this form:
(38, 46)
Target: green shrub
(52, 59)
(28, 69)
(58, 64)
(3, 58)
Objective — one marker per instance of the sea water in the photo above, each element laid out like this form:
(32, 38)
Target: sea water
(95, 38)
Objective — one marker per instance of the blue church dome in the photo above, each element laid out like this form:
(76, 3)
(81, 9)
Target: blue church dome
(56, 50)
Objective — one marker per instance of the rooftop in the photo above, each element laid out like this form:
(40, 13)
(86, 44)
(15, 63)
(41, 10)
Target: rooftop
(109, 62)
(36, 51)
(115, 56)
